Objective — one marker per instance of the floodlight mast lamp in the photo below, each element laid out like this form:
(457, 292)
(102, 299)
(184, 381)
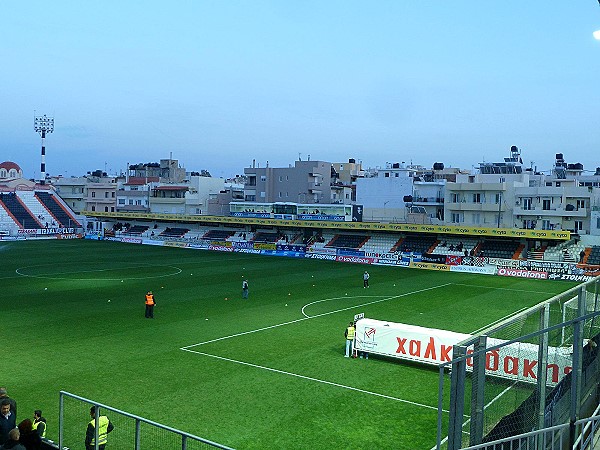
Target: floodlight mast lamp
(43, 125)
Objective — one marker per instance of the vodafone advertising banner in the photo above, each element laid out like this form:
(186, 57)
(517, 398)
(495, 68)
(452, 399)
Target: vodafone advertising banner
(516, 361)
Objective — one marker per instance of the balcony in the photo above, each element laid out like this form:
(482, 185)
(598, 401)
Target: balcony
(552, 212)
(476, 207)
(434, 201)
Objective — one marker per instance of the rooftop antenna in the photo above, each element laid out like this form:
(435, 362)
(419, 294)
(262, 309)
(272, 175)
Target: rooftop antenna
(43, 125)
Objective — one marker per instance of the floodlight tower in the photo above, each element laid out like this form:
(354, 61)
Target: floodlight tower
(43, 125)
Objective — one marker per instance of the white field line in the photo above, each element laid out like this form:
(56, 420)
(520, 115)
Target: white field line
(313, 317)
(330, 383)
(124, 277)
(484, 408)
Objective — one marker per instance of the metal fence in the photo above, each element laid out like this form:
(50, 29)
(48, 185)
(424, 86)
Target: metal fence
(533, 371)
(552, 438)
(130, 431)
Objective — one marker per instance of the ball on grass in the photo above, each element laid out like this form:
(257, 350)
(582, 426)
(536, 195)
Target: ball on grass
(109, 301)
(45, 289)
(206, 318)
(121, 281)
(226, 298)
(286, 304)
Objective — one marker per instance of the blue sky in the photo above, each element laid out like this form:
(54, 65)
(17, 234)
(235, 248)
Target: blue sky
(220, 83)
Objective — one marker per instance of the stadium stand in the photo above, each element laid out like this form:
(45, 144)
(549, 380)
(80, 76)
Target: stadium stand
(380, 243)
(174, 232)
(500, 249)
(267, 238)
(450, 245)
(593, 257)
(347, 241)
(56, 209)
(218, 235)
(136, 230)
(416, 244)
(565, 251)
(18, 211)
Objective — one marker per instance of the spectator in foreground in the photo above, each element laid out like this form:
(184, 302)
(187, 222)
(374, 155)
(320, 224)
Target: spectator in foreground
(13, 402)
(29, 437)
(8, 420)
(13, 441)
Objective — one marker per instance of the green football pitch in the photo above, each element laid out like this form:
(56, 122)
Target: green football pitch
(266, 372)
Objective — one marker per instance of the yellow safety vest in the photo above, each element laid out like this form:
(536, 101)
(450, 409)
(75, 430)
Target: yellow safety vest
(102, 430)
(350, 334)
(35, 427)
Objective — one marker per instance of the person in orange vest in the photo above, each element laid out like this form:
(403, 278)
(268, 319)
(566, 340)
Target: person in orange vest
(150, 305)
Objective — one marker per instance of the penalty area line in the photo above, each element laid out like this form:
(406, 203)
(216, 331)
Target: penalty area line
(304, 377)
(312, 317)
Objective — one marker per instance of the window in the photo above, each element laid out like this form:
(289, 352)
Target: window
(498, 198)
(263, 194)
(455, 218)
(477, 198)
(263, 178)
(598, 222)
(549, 184)
(581, 204)
(546, 205)
(546, 225)
(454, 197)
(476, 219)
(396, 174)
(387, 175)
(106, 209)
(558, 184)
(113, 194)
(93, 207)
(280, 178)
(106, 195)
(121, 201)
(578, 225)
(280, 195)
(93, 194)
(131, 202)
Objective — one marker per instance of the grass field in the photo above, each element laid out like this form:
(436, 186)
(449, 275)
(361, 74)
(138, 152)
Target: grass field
(267, 372)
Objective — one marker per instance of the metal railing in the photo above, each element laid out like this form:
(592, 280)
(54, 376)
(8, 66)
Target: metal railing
(130, 431)
(552, 438)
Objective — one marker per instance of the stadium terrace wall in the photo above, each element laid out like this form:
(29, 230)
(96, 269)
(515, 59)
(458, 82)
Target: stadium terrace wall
(543, 270)
(356, 226)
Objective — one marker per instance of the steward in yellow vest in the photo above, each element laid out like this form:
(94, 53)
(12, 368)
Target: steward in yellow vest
(105, 426)
(349, 333)
(39, 423)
